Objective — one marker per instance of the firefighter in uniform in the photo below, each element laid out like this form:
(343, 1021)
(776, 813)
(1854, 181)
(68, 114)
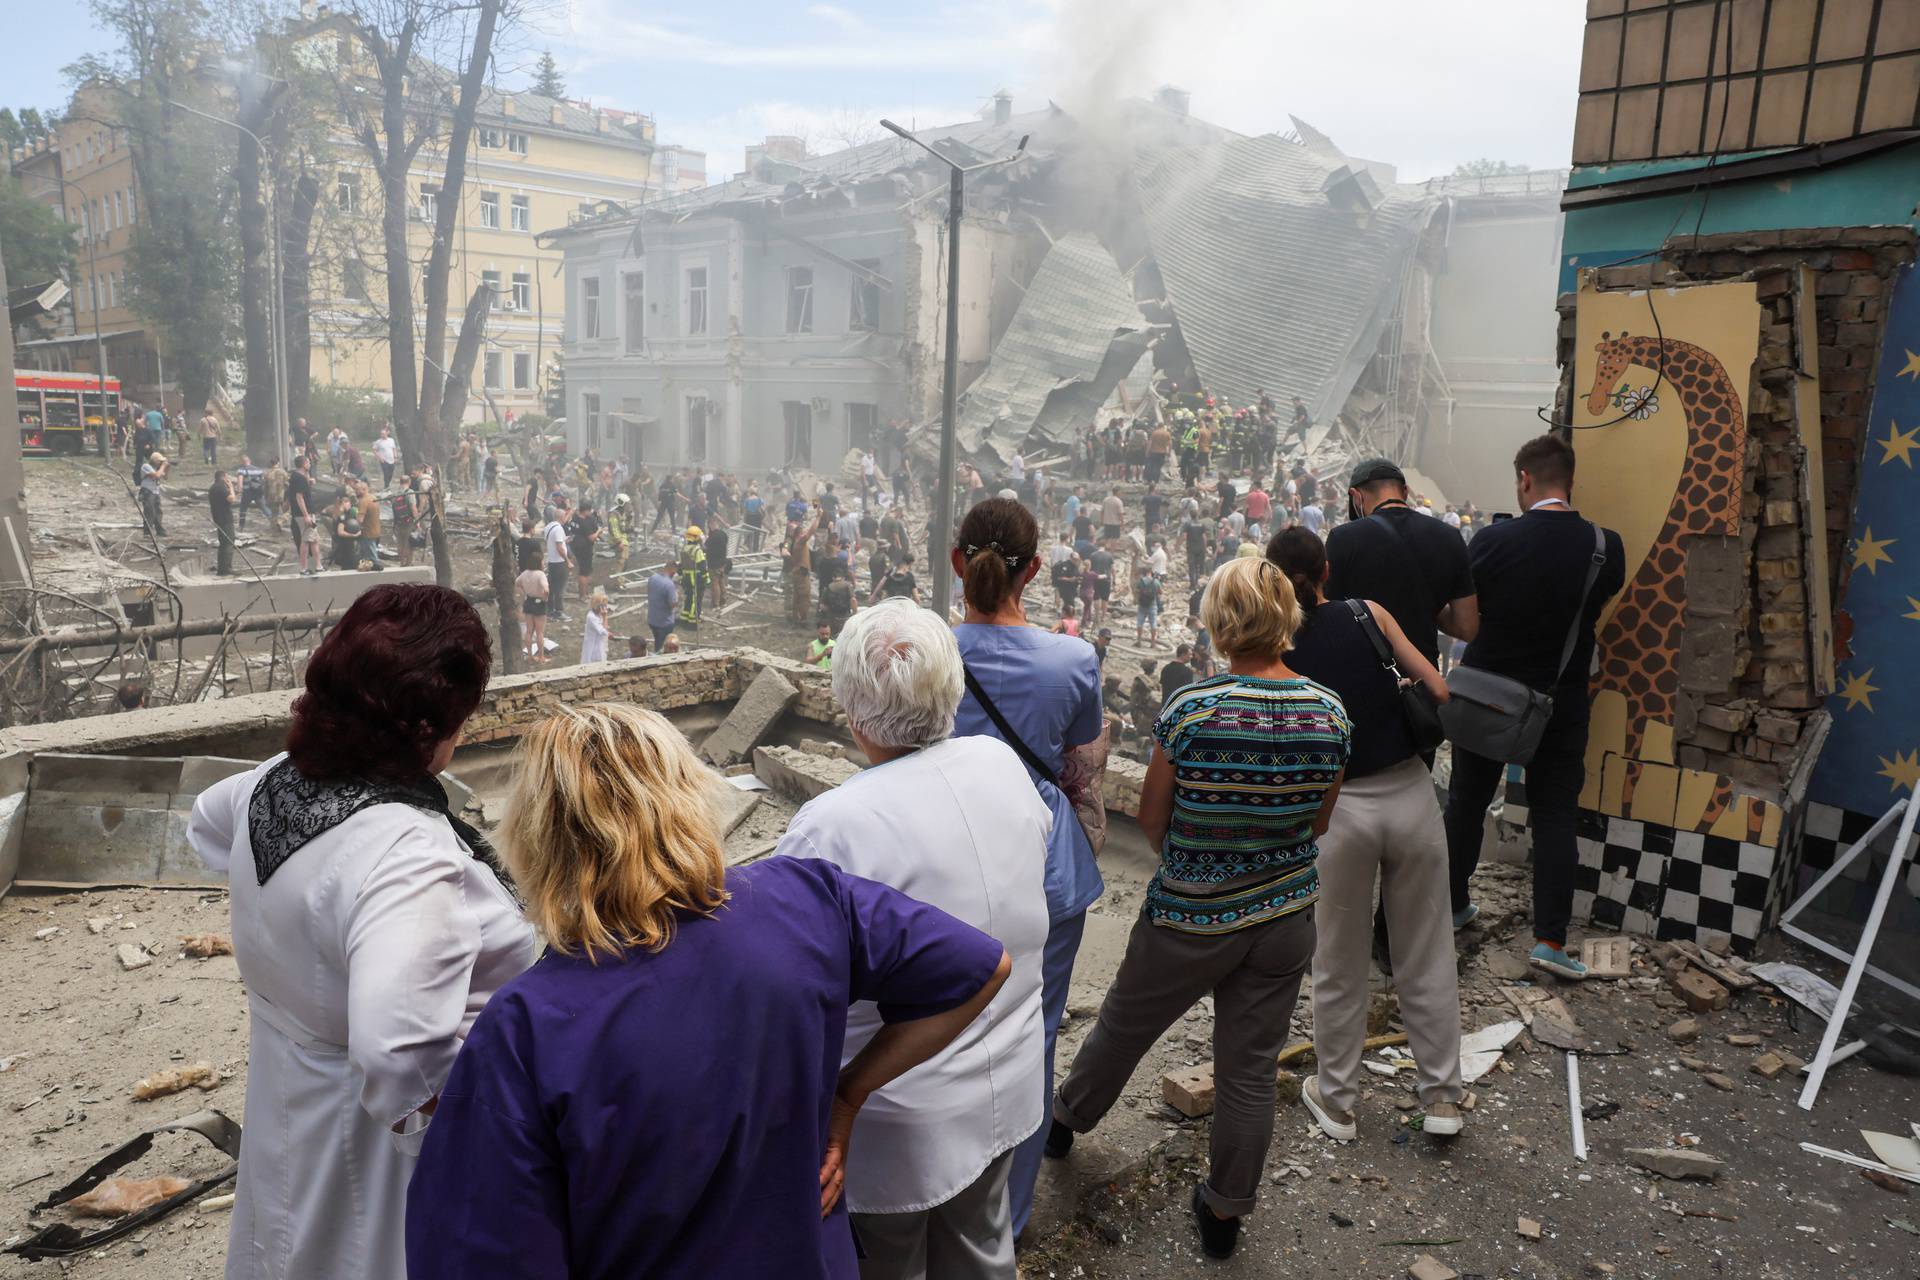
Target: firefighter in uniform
(693, 575)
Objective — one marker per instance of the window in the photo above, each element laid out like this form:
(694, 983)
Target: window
(798, 416)
(699, 415)
(590, 417)
(863, 311)
(799, 299)
(346, 193)
(429, 204)
(589, 307)
(129, 206)
(635, 284)
(490, 370)
(490, 209)
(863, 426)
(696, 301)
(491, 279)
(517, 143)
(353, 279)
(521, 214)
(119, 215)
(522, 371)
(522, 291)
(492, 139)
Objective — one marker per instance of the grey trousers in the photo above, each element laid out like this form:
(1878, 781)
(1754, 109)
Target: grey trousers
(967, 1236)
(1387, 824)
(1254, 976)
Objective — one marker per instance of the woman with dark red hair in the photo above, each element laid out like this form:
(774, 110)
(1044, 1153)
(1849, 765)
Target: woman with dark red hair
(370, 924)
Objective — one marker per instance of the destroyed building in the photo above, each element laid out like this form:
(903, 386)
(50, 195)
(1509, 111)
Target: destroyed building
(788, 315)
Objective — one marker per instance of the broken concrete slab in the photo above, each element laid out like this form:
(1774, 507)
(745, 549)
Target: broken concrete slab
(1685, 1031)
(1607, 957)
(1507, 967)
(752, 718)
(1723, 1083)
(1701, 993)
(1677, 1165)
(132, 957)
(1744, 1040)
(799, 774)
(1528, 1229)
(1528, 1001)
(109, 819)
(732, 806)
(1768, 1065)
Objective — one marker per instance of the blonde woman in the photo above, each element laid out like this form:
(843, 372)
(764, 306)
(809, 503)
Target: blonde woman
(1243, 780)
(662, 1093)
(593, 638)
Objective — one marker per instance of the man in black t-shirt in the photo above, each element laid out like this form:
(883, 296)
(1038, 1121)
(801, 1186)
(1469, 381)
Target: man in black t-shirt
(300, 512)
(1531, 573)
(1176, 675)
(1411, 565)
(900, 582)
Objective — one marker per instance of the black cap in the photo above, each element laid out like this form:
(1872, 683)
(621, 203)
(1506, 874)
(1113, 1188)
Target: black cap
(1374, 469)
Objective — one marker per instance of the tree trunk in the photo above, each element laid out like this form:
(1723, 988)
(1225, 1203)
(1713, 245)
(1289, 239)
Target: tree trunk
(391, 164)
(440, 257)
(256, 284)
(473, 332)
(296, 270)
(505, 566)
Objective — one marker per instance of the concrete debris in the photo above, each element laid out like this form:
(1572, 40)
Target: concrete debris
(1528, 1229)
(213, 1204)
(1677, 1165)
(1480, 1051)
(1189, 1092)
(733, 805)
(1507, 967)
(98, 924)
(1723, 1083)
(1607, 957)
(1428, 1267)
(48, 934)
(132, 957)
(160, 1084)
(1696, 1064)
(1685, 1031)
(798, 774)
(1531, 1000)
(1768, 1065)
(204, 946)
(118, 1197)
(1701, 992)
(751, 719)
(1744, 1041)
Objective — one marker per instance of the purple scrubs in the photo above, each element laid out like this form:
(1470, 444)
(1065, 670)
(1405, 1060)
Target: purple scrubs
(665, 1114)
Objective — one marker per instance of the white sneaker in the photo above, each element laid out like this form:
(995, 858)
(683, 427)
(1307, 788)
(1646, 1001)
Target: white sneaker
(1338, 1125)
(1444, 1120)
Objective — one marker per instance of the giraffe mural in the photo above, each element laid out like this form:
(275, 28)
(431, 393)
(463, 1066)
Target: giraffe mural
(1639, 645)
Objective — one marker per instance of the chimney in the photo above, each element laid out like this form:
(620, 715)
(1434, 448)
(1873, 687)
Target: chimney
(1172, 100)
(506, 106)
(555, 114)
(1003, 108)
(600, 121)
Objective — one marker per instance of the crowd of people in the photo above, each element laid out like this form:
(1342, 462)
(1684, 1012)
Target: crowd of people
(604, 1051)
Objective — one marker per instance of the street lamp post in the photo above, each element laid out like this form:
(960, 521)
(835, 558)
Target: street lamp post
(940, 554)
(93, 293)
(278, 336)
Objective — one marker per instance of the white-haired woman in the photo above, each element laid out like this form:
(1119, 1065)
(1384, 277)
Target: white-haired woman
(955, 823)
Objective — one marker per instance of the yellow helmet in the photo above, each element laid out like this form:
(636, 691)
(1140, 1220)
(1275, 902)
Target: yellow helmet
(693, 531)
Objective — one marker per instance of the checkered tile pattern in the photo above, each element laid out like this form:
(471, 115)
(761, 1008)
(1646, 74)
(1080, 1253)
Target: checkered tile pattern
(1644, 878)
(1829, 831)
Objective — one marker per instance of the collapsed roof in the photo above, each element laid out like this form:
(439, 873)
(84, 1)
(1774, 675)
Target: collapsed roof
(1281, 263)
(1076, 335)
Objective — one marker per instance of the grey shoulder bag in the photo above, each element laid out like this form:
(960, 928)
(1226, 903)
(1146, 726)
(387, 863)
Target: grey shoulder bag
(1499, 717)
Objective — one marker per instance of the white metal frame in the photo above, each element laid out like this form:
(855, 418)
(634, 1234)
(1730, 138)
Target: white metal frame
(1907, 810)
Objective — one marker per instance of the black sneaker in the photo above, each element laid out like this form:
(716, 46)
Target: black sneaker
(1059, 1142)
(1218, 1236)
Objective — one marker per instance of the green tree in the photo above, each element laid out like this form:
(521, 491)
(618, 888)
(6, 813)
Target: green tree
(546, 76)
(181, 265)
(38, 245)
(1487, 168)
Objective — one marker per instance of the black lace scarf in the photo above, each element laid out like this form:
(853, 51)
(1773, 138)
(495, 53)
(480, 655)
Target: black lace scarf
(288, 811)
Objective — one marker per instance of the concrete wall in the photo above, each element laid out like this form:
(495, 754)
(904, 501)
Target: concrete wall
(334, 590)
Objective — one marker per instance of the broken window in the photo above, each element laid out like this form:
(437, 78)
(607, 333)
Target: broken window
(429, 203)
(699, 412)
(798, 415)
(635, 284)
(522, 371)
(863, 313)
(863, 425)
(491, 370)
(522, 214)
(696, 301)
(589, 307)
(346, 193)
(799, 299)
(490, 209)
(522, 291)
(491, 279)
(590, 417)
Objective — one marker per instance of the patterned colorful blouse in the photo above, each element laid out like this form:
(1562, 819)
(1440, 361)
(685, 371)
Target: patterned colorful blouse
(1252, 759)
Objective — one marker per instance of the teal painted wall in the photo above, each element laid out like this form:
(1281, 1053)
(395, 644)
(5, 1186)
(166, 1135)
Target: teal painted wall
(1875, 190)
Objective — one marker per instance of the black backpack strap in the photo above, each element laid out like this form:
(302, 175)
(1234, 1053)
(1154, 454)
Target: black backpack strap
(1580, 613)
(1007, 735)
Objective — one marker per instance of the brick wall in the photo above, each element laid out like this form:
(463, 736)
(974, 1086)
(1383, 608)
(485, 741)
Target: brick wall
(1748, 667)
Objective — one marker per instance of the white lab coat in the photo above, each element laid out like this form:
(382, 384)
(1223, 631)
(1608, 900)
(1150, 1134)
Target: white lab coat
(366, 957)
(959, 826)
(593, 642)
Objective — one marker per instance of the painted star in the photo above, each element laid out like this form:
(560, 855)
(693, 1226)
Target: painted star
(1913, 367)
(1859, 692)
(1903, 770)
(1899, 444)
(1872, 552)
(1915, 615)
